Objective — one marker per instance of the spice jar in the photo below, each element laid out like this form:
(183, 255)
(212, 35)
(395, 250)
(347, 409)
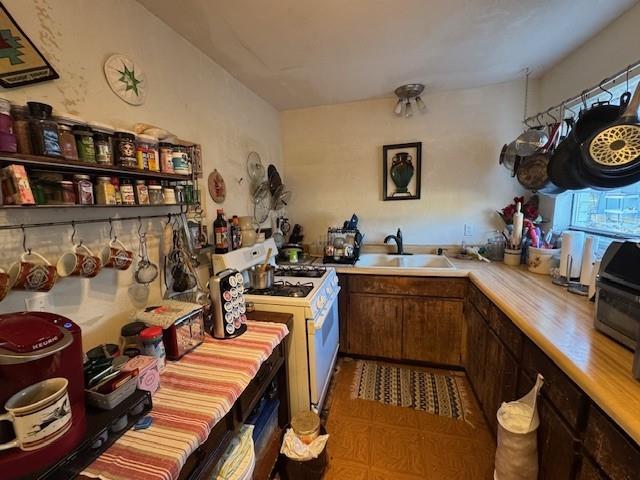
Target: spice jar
(103, 141)
(84, 189)
(20, 116)
(66, 124)
(169, 195)
(126, 190)
(68, 192)
(44, 130)
(142, 152)
(179, 194)
(151, 338)
(142, 193)
(84, 143)
(115, 181)
(8, 141)
(179, 159)
(124, 149)
(155, 195)
(153, 154)
(166, 157)
(105, 192)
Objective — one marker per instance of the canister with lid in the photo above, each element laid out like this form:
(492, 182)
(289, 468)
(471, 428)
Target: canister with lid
(179, 159)
(84, 143)
(142, 152)
(126, 190)
(105, 192)
(169, 195)
(84, 189)
(155, 195)
(8, 141)
(66, 124)
(68, 192)
(20, 116)
(153, 155)
(151, 338)
(166, 157)
(124, 148)
(44, 130)
(142, 193)
(306, 425)
(103, 141)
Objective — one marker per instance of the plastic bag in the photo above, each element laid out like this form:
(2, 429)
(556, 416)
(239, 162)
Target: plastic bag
(296, 449)
(517, 451)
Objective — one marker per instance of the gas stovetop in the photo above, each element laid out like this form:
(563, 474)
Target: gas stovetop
(283, 289)
(308, 271)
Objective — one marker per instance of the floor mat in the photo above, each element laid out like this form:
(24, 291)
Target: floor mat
(410, 387)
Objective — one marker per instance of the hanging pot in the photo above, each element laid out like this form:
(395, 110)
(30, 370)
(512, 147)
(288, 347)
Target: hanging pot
(509, 158)
(614, 150)
(530, 141)
(565, 160)
(533, 171)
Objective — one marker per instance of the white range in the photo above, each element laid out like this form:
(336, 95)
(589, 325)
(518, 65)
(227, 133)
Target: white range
(310, 294)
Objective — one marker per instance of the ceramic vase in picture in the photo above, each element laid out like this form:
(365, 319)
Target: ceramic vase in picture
(541, 260)
(512, 256)
(402, 171)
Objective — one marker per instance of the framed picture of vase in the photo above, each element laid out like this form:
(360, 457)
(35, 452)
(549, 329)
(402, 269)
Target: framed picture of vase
(401, 171)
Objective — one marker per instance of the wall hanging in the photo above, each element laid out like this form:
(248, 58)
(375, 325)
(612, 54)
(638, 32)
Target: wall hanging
(21, 63)
(127, 80)
(401, 171)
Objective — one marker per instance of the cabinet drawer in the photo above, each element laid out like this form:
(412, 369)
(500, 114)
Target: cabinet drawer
(507, 332)
(249, 398)
(479, 300)
(558, 448)
(611, 448)
(411, 286)
(568, 399)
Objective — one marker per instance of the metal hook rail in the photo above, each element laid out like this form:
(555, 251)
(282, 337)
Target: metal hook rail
(583, 95)
(23, 226)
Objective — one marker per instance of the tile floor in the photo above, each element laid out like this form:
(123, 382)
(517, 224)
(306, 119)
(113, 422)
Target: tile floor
(373, 441)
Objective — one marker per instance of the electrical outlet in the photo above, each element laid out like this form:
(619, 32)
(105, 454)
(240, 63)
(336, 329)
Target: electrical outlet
(38, 302)
(467, 230)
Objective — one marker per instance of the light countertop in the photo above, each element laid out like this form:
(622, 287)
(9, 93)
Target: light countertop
(560, 323)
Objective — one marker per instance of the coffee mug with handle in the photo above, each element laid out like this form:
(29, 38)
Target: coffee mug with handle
(32, 272)
(40, 414)
(5, 284)
(115, 255)
(85, 264)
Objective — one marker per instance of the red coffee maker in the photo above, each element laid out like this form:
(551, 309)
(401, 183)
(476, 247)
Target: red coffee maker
(35, 346)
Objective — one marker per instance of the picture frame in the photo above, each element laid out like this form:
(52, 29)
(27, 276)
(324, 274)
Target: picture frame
(401, 171)
(21, 63)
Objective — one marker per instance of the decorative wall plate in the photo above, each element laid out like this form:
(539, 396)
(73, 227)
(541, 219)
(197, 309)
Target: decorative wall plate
(126, 79)
(217, 188)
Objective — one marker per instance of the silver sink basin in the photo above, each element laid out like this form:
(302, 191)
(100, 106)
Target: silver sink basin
(384, 260)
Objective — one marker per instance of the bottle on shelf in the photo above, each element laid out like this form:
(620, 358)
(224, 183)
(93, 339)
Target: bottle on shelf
(221, 233)
(236, 234)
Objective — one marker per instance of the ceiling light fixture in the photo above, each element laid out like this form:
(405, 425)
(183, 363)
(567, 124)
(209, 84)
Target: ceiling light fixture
(407, 93)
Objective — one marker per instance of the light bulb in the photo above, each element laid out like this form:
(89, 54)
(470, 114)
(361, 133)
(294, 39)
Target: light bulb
(421, 106)
(408, 111)
(399, 105)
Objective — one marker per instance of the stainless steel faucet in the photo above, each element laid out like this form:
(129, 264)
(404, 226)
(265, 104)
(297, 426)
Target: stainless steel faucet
(398, 239)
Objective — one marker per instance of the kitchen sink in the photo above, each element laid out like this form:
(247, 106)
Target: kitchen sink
(383, 260)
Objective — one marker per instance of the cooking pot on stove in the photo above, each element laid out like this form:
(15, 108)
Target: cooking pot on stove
(259, 279)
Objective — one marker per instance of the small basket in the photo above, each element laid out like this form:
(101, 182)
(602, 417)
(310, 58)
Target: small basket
(113, 399)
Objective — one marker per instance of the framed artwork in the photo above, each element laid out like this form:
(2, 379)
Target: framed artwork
(21, 63)
(401, 171)
(126, 79)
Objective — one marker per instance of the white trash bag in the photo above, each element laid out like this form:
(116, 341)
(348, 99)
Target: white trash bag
(517, 450)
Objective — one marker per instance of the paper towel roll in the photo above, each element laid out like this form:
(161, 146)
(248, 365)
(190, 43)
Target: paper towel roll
(572, 243)
(586, 267)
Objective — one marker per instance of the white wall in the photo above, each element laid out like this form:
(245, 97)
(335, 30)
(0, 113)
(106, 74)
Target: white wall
(611, 50)
(188, 94)
(333, 163)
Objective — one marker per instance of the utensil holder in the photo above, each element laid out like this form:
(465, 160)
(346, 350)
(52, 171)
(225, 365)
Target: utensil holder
(512, 257)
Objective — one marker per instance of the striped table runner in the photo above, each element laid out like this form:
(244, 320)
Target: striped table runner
(195, 393)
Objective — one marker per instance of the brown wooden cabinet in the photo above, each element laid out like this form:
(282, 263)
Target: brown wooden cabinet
(375, 326)
(558, 449)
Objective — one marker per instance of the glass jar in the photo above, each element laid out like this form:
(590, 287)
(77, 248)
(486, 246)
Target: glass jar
(105, 192)
(179, 160)
(179, 194)
(8, 141)
(124, 149)
(155, 195)
(84, 189)
(169, 195)
(20, 116)
(166, 157)
(84, 143)
(103, 141)
(126, 190)
(66, 124)
(153, 154)
(44, 130)
(151, 338)
(142, 193)
(115, 181)
(68, 192)
(142, 152)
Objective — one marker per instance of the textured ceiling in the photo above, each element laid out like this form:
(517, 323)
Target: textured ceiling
(301, 53)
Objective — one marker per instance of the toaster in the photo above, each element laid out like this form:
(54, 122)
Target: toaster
(229, 310)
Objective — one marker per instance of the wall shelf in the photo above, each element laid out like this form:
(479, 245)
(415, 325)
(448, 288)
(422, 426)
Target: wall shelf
(72, 166)
(36, 207)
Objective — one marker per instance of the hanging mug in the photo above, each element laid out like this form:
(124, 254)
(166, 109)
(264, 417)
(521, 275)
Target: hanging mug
(116, 255)
(32, 272)
(85, 264)
(40, 414)
(5, 284)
